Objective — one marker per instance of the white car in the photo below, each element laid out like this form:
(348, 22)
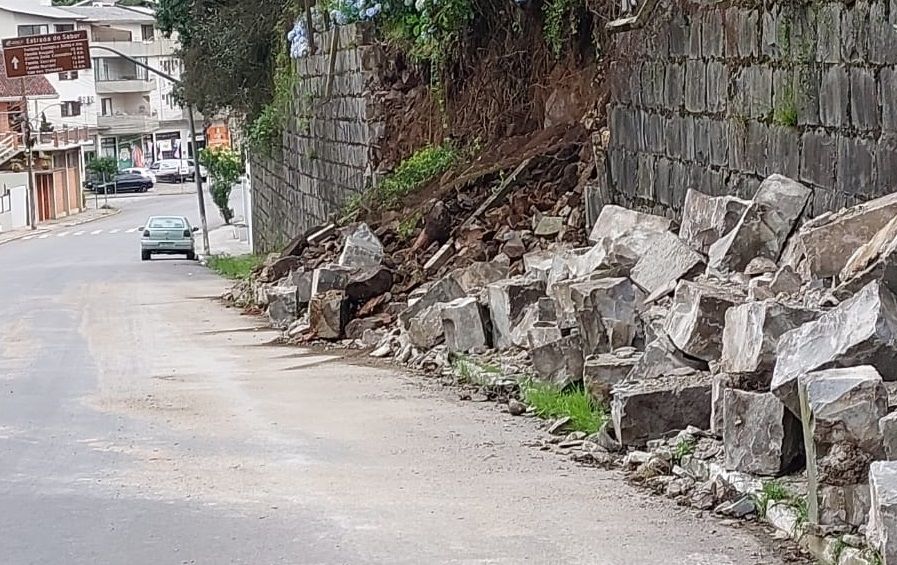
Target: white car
(176, 170)
(142, 171)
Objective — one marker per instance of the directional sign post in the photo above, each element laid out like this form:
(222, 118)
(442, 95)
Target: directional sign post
(46, 54)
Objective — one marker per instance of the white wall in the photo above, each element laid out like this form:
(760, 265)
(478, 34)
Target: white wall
(13, 202)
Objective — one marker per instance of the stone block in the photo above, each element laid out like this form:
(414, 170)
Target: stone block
(667, 261)
(860, 330)
(881, 531)
(846, 406)
(719, 384)
(538, 263)
(606, 313)
(856, 166)
(479, 274)
(661, 358)
(508, 302)
(763, 228)
(328, 314)
(653, 408)
(543, 333)
(331, 277)
(821, 249)
(865, 113)
(888, 95)
(784, 151)
(717, 80)
(887, 427)
(361, 249)
(886, 163)
(760, 435)
(874, 260)
(882, 40)
(855, 32)
(695, 86)
(697, 318)
(719, 143)
(828, 33)
(834, 98)
(283, 307)
(367, 282)
(752, 333)
(445, 289)
(806, 96)
(673, 86)
(426, 330)
(712, 34)
(602, 372)
(615, 222)
(844, 505)
(560, 362)
(705, 218)
(464, 325)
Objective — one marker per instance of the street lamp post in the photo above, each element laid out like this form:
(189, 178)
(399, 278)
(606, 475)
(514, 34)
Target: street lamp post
(196, 173)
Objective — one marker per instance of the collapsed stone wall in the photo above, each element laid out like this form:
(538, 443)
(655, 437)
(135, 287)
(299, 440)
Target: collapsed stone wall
(716, 96)
(329, 146)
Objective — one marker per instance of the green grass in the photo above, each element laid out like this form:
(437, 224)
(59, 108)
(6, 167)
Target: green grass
(774, 491)
(683, 447)
(414, 172)
(407, 226)
(234, 267)
(550, 402)
(471, 371)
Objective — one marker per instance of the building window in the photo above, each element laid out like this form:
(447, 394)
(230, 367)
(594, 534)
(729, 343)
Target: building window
(70, 75)
(149, 32)
(71, 109)
(25, 31)
(60, 28)
(59, 161)
(106, 104)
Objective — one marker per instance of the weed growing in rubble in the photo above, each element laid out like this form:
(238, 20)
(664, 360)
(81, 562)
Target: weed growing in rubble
(576, 403)
(683, 447)
(415, 171)
(470, 371)
(234, 267)
(407, 226)
(774, 491)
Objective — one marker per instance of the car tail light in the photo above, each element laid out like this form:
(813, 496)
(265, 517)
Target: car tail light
(146, 233)
(188, 233)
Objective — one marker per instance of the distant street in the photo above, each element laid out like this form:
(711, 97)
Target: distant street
(141, 422)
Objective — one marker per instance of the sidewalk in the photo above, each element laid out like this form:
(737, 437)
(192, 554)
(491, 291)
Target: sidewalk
(89, 215)
(228, 240)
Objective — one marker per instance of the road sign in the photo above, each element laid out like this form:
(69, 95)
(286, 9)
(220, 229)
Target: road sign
(46, 54)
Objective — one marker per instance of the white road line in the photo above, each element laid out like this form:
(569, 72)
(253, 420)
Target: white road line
(95, 232)
(63, 234)
(132, 230)
(45, 236)
(77, 233)
(116, 230)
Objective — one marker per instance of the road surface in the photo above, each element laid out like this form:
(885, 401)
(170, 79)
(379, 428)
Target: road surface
(143, 423)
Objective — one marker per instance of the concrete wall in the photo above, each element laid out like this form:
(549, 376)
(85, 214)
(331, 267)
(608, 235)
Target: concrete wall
(717, 96)
(13, 201)
(328, 146)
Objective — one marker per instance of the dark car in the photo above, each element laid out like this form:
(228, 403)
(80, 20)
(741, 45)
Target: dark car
(126, 182)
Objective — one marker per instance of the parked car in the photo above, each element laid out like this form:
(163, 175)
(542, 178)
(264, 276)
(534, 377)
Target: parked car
(171, 170)
(125, 182)
(167, 235)
(142, 171)
(203, 172)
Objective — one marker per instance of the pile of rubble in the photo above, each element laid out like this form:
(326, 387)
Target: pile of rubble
(743, 326)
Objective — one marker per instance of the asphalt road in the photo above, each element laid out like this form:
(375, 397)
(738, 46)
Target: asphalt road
(143, 423)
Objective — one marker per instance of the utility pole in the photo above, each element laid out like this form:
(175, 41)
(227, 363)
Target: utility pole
(196, 175)
(29, 160)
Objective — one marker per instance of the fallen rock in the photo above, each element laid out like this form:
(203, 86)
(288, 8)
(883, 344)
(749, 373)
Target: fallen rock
(760, 266)
(538, 264)
(847, 505)
(614, 221)
(759, 434)
(668, 260)
(705, 219)
(875, 260)
(697, 318)
(651, 408)
(509, 300)
(560, 362)
(821, 249)
(516, 408)
(441, 258)
(751, 335)
(846, 405)
(881, 530)
(661, 358)
(464, 326)
(602, 372)
(445, 289)
(478, 275)
(328, 314)
(887, 427)
(549, 226)
(606, 312)
(513, 247)
(283, 308)
(739, 508)
(329, 277)
(357, 328)
(279, 268)
(543, 333)
(763, 227)
(361, 249)
(860, 330)
(844, 464)
(302, 280)
(426, 329)
(368, 282)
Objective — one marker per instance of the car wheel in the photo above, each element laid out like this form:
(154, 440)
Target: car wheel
(145, 255)
(191, 256)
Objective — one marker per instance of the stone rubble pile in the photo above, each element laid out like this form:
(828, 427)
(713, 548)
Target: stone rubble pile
(729, 330)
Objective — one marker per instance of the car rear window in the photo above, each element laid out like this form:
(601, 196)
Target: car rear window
(167, 223)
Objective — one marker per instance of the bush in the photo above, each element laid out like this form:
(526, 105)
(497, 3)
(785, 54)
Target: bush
(575, 403)
(103, 167)
(225, 168)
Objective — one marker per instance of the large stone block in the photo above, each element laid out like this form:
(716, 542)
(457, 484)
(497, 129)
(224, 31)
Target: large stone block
(874, 260)
(614, 222)
(887, 427)
(760, 435)
(329, 277)
(752, 332)
(865, 110)
(606, 313)
(361, 249)
(463, 323)
(834, 101)
(661, 357)
(445, 289)
(705, 218)
(426, 329)
(283, 308)
(844, 505)
(763, 228)
(328, 314)
(509, 300)
(821, 248)
(559, 362)
(856, 166)
(664, 263)
(860, 331)
(697, 318)
(652, 408)
(881, 530)
(477, 275)
(602, 372)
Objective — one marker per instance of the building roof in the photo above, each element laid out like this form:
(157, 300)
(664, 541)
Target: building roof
(111, 14)
(35, 87)
(33, 8)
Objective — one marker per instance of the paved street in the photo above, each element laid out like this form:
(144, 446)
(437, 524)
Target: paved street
(142, 422)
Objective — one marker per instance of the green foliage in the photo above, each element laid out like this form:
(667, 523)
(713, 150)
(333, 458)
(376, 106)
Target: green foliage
(471, 371)
(224, 167)
(785, 112)
(683, 447)
(550, 402)
(407, 226)
(234, 267)
(264, 133)
(431, 33)
(559, 23)
(103, 167)
(414, 172)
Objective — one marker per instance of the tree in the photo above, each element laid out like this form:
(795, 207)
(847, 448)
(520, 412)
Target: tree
(225, 167)
(103, 167)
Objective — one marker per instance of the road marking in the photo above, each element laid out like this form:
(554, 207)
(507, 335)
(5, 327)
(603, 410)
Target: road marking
(95, 232)
(116, 230)
(77, 233)
(45, 236)
(132, 230)
(63, 234)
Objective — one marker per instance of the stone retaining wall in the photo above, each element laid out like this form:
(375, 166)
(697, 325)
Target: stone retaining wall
(716, 96)
(328, 150)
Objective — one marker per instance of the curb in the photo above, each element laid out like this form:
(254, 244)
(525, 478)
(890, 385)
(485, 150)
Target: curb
(55, 227)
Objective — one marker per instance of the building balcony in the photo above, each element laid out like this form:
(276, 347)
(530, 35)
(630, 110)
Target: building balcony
(125, 85)
(122, 124)
(159, 47)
